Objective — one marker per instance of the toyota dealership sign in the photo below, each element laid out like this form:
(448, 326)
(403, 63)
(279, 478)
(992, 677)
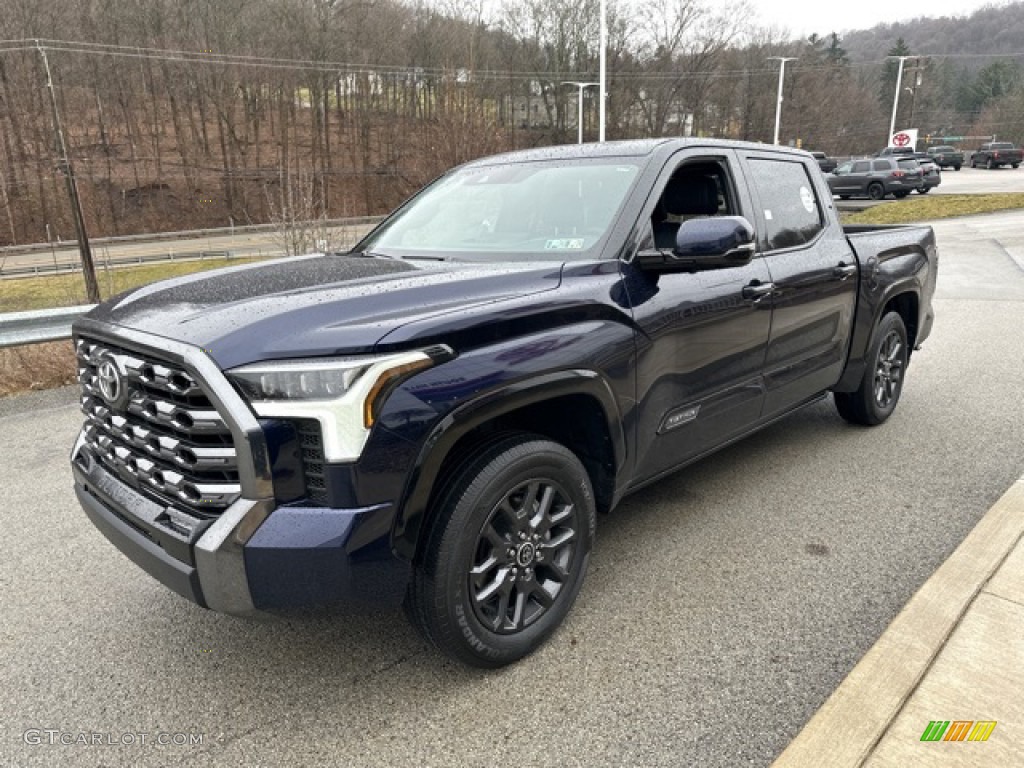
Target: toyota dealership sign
(904, 138)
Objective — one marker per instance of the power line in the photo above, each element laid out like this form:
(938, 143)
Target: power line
(347, 68)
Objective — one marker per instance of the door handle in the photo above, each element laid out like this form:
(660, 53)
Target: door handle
(844, 271)
(756, 290)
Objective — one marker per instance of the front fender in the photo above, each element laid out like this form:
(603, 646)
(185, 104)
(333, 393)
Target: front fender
(491, 405)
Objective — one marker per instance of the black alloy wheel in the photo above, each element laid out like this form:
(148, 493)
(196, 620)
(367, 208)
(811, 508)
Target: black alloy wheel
(524, 556)
(506, 552)
(890, 365)
(876, 191)
(880, 387)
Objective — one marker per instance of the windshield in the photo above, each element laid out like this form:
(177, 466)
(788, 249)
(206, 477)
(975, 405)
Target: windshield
(511, 211)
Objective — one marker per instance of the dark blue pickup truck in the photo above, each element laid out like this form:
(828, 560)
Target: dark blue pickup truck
(436, 417)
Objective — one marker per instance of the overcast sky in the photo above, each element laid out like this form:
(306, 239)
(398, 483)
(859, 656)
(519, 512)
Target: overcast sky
(826, 16)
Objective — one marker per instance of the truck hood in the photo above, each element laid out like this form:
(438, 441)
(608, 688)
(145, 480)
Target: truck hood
(317, 305)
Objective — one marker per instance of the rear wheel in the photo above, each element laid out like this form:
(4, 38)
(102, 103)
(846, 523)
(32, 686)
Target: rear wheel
(876, 191)
(1016, 165)
(923, 190)
(990, 165)
(506, 553)
(956, 167)
(880, 388)
(900, 195)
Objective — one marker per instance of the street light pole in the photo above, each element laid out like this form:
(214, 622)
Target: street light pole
(778, 104)
(896, 98)
(602, 76)
(579, 117)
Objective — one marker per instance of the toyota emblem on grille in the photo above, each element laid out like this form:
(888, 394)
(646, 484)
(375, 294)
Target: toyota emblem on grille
(109, 378)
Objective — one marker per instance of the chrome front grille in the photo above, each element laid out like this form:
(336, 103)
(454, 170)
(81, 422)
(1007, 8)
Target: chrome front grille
(151, 424)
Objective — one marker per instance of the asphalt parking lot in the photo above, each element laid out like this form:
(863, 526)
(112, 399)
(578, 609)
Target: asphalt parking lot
(722, 607)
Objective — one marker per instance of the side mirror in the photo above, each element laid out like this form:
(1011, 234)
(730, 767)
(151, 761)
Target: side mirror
(718, 242)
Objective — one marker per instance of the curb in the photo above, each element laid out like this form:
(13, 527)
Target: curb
(850, 724)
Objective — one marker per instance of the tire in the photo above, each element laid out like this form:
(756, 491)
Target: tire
(956, 167)
(844, 197)
(506, 552)
(924, 190)
(876, 191)
(875, 399)
(901, 194)
(990, 165)
(1016, 165)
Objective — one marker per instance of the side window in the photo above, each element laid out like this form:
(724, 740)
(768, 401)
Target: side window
(881, 165)
(844, 168)
(861, 167)
(696, 189)
(792, 213)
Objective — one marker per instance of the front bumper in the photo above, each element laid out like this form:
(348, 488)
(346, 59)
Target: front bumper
(253, 557)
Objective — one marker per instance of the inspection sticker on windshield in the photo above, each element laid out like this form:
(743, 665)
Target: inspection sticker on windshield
(807, 198)
(565, 244)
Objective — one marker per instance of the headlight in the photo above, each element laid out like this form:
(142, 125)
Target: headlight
(299, 379)
(343, 394)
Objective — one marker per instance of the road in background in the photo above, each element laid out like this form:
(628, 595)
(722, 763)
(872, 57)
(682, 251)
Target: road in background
(973, 181)
(179, 247)
(723, 605)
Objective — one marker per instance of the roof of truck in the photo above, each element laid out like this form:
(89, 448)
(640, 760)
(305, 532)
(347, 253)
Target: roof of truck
(630, 148)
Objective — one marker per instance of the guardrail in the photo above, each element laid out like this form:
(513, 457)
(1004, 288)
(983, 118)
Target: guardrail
(39, 325)
(194, 234)
(70, 267)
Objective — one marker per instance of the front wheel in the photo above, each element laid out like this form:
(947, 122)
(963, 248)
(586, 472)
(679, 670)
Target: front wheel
(875, 399)
(506, 553)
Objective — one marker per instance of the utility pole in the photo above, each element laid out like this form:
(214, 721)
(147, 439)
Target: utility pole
(778, 104)
(579, 117)
(602, 76)
(92, 288)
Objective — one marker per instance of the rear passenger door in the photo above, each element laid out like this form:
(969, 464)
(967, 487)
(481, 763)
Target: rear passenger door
(813, 271)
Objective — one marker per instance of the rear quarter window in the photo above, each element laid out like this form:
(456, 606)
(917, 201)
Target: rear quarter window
(790, 206)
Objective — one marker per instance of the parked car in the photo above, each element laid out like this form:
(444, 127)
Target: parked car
(946, 157)
(930, 175)
(826, 163)
(995, 154)
(875, 178)
(889, 151)
(440, 414)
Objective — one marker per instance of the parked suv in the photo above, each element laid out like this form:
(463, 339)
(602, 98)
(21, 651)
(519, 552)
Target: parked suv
(930, 177)
(946, 157)
(875, 178)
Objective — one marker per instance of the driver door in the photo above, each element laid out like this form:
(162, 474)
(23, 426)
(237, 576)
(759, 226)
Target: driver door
(702, 336)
